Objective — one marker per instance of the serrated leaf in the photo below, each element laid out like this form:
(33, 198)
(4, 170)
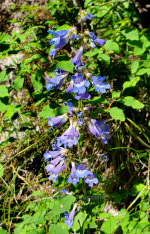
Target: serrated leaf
(66, 66)
(3, 76)
(18, 83)
(117, 113)
(134, 67)
(111, 46)
(131, 83)
(131, 34)
(3, 91)
(1, 170)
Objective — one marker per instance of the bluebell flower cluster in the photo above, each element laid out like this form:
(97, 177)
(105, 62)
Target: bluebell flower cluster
(59, 156)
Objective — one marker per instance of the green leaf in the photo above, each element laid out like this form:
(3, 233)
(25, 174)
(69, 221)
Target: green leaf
(92, 53)
(104, 57)
(109, 225)
(3, 76)
(117, 113)
(3, 91)
(11, 110)
(63, 27)
(18, 83)
(134, 67)
(138, 50)
(116, 94)
(131, 34)
(47, 112)
(2, 231)
(131, 83)
(36, 80)
(3, 107)
(142, 72)
(66, 66)
(137, 105)
(111, 46)
(58, 228)
(37, 193)
(1, 170)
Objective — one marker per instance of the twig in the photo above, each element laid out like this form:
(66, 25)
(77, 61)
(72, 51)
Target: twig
(22, 178)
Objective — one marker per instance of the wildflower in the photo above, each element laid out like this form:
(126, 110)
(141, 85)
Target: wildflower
(55, 82)
(79, 84)
(70, 136)
(91, 179)
(81, 171)
(69, 217)
(77, 57)
(103, 156)
(80, 66)
(57, 121)
(65, 192)
(101, 129)
(88, 16)
(95, 40)
(59, 71)
(55, 170)
(99, 85)
(54, 154)
(73, 178)
(82, 96)
(60, 39)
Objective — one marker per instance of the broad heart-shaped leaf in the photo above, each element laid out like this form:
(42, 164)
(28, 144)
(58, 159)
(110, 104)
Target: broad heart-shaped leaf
(111, 46)
(109, 225)
(131, 83)
(3, 76)
(1, 170)
(117, 113)
(131, 34)
(18, 83)
(59, 228)
(3, 91)
(66, 66)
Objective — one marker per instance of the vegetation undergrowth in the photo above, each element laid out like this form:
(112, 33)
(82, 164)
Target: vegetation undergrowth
(119, 202)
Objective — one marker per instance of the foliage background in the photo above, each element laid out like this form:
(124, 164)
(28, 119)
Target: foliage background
(26, 194)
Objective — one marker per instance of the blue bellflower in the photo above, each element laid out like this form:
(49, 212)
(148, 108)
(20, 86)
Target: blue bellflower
(95, 40)
(69, 217)
(53, 154)
(99, 85)
(81, 171)
(55, 82)
(77, 57)
(101, 129)
(57, 121)
(55, 170)
(70, 136)
(91, 179)
(73, 178)
(88, 17)
(60, 39)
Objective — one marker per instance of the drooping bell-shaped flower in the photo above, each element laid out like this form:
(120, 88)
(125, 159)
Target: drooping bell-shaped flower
(53, 154)
(77, 57)
(95, 40)
(57, 121)
(55, 170)
(88, 17)
(80, 66)
(60, 39)
(81, 171)
(73, 178)
(101, 129)
(91, 179)
(70, 136)
(59, 71)
(55, 82)
(69, 217)
(99, 85)
(82, 96)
